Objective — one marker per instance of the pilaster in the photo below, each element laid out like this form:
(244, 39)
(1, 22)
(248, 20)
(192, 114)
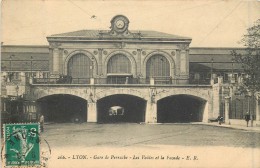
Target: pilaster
(56, 60)
(139, 65)
(92, 112)
(100, 55)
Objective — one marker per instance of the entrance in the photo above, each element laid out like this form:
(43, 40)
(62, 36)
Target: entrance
(62, 108)
(121, 108)
(180, 109)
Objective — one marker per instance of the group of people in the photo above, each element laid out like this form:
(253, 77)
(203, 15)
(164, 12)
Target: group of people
(247, 119)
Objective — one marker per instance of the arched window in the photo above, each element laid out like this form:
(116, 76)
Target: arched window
(80, 66)
(119, 64)
(157, 66)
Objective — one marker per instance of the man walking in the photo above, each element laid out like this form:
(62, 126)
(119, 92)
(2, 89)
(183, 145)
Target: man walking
(247, 118)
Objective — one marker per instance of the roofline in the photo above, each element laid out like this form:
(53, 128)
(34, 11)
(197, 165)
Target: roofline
(26, 46)
(211, 48)
(81, 39)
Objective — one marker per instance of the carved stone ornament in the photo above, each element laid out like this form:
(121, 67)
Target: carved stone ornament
(183, 46)
(173, 53)
(134, 52)
(105, 52)
(65, 52)
(95, 52)
(120, 45)
(55, 45)
(143, 52)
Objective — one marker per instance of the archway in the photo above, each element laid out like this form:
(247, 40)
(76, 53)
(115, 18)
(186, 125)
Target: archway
(62, 108)
(119, 69)
(180, 109)
(80, 68)
(133, 107)
(158, 67)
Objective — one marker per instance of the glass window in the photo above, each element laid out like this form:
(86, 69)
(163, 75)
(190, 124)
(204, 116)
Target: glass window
(119, 64)
(80, 66)
(157, 66)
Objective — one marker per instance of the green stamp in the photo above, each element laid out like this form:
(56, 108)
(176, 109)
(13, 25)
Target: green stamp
(22, 144)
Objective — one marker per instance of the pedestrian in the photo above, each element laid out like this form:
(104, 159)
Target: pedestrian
(220, 120)
(247, 118)
(41, 122)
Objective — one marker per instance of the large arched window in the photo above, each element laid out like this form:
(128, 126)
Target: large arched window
(157, 66)
(119, 64)
(79, 66)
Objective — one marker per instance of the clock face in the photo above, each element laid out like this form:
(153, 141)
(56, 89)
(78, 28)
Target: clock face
(120, 24)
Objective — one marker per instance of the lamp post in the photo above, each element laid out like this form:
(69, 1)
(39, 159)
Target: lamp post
(211, 71)
(232, 69)
(17, 90)
(10, 67)
(31, 65)
(248, 107)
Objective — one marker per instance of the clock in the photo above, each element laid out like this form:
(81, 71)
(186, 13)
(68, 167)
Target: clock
(119, 25)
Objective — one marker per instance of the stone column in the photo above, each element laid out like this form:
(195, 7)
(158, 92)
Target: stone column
(92, 112)
(227, 107)
(151, 108)
(151, 112)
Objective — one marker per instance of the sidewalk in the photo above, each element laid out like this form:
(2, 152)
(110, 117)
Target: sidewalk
(240, 127)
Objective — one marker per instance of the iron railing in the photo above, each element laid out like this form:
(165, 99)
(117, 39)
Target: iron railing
(120, 80)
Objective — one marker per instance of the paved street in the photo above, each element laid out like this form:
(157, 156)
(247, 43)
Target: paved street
(128, 135)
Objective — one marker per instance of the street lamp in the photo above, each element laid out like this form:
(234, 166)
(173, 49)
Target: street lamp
(31, 65)
(10, 61)
(232, 69)
(211, 71)
(17, 90)
(248, 107)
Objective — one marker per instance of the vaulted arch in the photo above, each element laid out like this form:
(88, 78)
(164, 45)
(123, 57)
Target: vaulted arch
(158, 63)
(80, 64)
(120, 56)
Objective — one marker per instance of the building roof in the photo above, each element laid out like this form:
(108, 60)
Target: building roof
(200, 58)
(24, 58)
(104, 34)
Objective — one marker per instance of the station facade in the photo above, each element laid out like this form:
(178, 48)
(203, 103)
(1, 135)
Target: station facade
(153, 76)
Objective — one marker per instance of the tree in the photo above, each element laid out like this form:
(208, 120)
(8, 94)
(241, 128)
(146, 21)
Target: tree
(250, 58)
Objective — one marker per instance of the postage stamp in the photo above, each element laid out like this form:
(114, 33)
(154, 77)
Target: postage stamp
(22, 144)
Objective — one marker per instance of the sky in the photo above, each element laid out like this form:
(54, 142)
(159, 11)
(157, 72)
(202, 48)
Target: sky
(210, 23)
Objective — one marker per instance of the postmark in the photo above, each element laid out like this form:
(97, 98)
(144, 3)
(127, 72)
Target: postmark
(22, 144)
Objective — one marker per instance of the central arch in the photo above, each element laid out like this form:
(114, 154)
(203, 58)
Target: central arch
(130, 60)
(133, 109)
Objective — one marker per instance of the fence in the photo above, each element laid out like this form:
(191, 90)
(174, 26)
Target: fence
(119, 80)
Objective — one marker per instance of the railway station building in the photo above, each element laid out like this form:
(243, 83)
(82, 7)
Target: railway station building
(149, 76)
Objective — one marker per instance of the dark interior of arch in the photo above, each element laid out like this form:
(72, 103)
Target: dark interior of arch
(134, 109)
(180, 109)
(62, 108)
